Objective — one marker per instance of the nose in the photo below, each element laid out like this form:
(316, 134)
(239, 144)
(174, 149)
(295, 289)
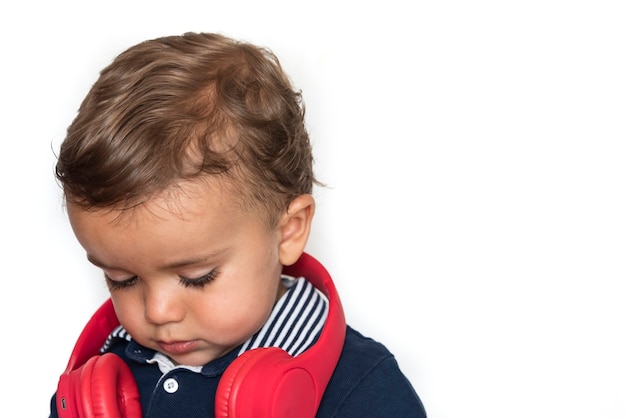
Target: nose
(161, 305)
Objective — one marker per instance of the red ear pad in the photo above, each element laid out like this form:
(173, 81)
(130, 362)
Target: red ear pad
(103, 387)
(109, 388)
(265, 383)
(95, 385)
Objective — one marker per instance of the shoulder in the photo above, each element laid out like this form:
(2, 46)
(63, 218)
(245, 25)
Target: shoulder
(363, 355)
(368, 382)
(357, 344)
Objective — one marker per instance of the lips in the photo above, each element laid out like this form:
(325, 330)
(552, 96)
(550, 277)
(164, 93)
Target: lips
(178, 347)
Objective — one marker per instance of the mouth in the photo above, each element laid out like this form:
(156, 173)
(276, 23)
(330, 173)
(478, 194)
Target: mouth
(177, 347)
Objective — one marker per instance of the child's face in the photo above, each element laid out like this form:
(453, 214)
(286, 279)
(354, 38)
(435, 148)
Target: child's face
(191, 274)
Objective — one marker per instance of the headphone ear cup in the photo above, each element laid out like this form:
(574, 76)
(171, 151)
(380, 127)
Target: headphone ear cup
(228, 384)
(103, 387)
(265, 383)
(68, 395)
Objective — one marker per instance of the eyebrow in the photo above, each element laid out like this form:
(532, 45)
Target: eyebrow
(176, 264)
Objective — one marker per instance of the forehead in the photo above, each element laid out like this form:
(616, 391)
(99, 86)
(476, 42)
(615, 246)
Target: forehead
(184, 200)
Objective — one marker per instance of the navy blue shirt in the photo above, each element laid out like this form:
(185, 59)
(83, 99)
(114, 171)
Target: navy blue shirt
(367, 382)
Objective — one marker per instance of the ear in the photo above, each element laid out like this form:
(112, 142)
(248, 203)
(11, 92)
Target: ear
(294, 228)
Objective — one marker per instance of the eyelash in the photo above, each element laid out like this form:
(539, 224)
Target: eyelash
(120, 285)
(197, 282)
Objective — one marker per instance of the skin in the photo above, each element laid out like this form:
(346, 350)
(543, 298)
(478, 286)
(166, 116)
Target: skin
(192, 274)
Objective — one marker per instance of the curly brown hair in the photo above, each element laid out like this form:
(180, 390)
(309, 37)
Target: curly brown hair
(179, 108)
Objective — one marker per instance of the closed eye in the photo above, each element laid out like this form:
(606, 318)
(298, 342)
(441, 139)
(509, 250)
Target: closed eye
(120, 284)
(199, 281)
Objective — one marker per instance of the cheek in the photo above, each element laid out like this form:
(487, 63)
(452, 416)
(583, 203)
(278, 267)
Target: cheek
(235, 309)
(239, 312)
(235, 324)
(129, 311)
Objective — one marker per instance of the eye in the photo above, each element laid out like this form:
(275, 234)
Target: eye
(120, 284)
(199, 281)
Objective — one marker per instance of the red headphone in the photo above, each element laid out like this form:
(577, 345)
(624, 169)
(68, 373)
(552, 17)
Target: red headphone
(260, 383)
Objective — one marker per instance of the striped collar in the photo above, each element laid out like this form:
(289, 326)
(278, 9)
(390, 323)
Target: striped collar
(296, 320)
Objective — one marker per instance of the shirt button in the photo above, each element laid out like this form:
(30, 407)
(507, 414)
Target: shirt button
(170, 385)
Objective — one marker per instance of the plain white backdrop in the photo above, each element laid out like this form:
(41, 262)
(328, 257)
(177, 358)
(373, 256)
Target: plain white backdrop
(475, 156)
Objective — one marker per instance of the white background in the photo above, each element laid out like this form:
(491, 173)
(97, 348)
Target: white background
(475, 216)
